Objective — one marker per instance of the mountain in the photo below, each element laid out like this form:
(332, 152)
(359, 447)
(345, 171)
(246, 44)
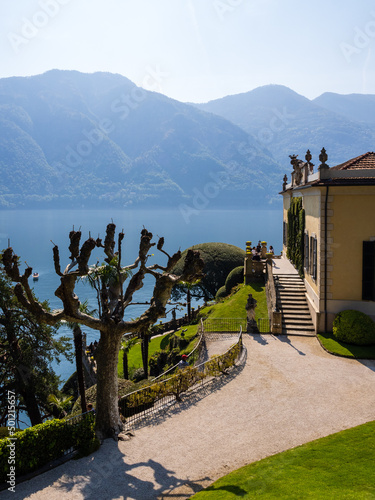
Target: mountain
(70, 139)
(287, 123)
(358, 107)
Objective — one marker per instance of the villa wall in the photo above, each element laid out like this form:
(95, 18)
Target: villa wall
(351, 221)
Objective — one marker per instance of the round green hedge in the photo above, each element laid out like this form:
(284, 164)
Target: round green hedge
(354, 327)
(221, 293)
(219, 260)
(234, 278)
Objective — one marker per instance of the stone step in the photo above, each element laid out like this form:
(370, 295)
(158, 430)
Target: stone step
(290, 293)
(295, 307)
(291, 302)
(289, 280)
(298, 329)
(290, 285)
(290, 331)
(297, 315)
(296, 319)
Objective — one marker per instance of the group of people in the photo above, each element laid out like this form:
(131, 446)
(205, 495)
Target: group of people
(257, 251)
(92, 347)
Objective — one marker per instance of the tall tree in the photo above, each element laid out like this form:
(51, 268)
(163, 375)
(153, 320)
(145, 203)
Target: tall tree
(125, 348)
(26, 351)
(113, 299)
(78, 347)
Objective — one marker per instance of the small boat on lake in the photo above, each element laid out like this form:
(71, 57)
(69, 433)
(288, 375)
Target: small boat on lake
(35, 276)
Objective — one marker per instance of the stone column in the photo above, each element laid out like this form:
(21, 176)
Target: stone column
(264, 249)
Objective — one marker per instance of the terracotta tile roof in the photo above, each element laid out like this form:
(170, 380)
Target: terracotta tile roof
(364, 161)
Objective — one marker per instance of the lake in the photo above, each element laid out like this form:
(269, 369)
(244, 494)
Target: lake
(31, 233)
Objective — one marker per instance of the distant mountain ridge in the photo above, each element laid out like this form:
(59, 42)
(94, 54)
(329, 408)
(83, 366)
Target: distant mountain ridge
(288, 123)
(69, 139)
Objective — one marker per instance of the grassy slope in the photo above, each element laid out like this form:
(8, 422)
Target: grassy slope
(343, 349)
(156, 344)
(231, 307)
(234, 305)
(340, 466)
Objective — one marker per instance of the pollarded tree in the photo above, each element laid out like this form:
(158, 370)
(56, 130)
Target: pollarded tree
(113, 299)
(27, 349)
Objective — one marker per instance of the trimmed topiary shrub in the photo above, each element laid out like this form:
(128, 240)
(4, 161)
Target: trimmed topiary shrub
(221, 293)
(219, 260)
(234, 278)
(354, 327)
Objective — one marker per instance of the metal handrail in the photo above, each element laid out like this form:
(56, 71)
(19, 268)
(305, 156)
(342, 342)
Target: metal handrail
(176, 365)
(148, 407)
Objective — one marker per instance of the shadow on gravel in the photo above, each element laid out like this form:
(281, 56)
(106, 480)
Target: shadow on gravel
(106, 475)
(286, 340)
(192, 397)
(258, 337)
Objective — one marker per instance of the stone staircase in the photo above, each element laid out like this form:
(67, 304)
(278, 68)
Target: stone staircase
(290, 292)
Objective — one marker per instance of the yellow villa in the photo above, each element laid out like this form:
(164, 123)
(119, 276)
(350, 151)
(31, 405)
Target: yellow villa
(334, 211)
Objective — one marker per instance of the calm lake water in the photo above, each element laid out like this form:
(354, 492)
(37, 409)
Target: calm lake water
(30, 233)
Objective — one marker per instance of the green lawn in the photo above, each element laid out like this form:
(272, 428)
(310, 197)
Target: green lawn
(343, 349)
(340, 466)
(234, 305)
(231, 307)
(156, 344)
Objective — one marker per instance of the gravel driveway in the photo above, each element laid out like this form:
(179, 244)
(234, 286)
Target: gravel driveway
(288, 391)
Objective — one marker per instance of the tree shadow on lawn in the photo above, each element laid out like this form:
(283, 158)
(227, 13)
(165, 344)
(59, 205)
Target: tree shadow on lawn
(191, 398)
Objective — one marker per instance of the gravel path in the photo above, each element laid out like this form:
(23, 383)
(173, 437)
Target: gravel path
(287, 392)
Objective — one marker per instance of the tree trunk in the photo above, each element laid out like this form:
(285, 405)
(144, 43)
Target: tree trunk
(188, 301)
(125, 365)
(77, 332)
(144, 348)
(108, 423)
(24, 378)
(32, 408)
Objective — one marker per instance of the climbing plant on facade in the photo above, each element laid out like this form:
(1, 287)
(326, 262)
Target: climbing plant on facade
(296, 229)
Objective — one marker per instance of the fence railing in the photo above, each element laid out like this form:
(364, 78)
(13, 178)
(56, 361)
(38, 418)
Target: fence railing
(272, 303)
(192, 356)
(224, 325)
(161, 393)
(264, 325)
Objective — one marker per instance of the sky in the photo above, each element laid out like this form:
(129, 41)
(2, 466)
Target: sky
(197, 50)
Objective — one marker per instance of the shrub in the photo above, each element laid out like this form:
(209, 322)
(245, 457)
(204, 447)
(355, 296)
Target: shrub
(221, 293)
(138, 375)
(40, 444)
(354, 327)
(219, 259)
(234, 278)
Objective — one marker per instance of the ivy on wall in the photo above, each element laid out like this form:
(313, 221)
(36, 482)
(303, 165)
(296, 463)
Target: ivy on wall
(296, 229)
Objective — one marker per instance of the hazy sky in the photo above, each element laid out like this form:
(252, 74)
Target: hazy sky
(197, 50)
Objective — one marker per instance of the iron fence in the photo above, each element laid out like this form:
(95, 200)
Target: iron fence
(264, 325)
(73, 422)
(146, 402)
(226, 325)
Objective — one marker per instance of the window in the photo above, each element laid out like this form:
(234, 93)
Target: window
(368, 270)
(313, 264)
(307, 256)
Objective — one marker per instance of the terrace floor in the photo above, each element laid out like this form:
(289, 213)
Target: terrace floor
(286, 392)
